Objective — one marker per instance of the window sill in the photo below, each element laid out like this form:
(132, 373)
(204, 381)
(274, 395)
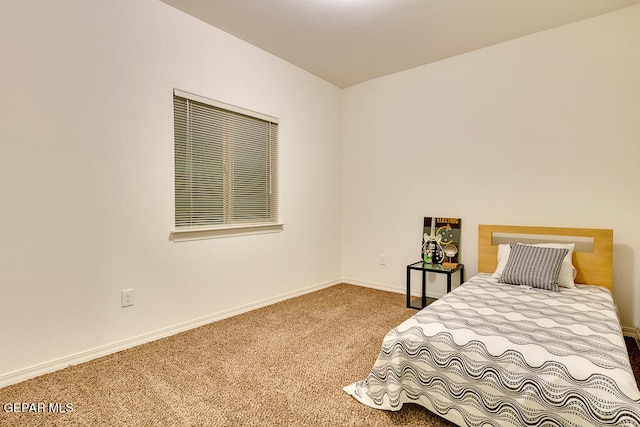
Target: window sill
(229, 231)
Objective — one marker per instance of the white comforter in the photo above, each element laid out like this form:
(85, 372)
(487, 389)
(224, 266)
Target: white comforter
(503, 355)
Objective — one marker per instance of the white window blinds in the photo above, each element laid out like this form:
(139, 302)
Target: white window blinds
(225, 164)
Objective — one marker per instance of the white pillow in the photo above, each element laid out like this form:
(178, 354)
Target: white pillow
(567, 272)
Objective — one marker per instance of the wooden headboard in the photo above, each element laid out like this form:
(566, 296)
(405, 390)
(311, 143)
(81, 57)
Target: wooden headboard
(594, 266)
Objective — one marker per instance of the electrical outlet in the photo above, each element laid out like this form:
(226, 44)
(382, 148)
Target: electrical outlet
(126, 297)
(383, 260)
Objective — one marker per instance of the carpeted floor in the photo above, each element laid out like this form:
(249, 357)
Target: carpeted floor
(283, 365)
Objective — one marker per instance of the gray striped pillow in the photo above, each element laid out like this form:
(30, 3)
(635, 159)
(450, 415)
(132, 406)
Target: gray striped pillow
(534, 266)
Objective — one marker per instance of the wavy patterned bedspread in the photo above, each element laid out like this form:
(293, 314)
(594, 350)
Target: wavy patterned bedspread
(490, 354)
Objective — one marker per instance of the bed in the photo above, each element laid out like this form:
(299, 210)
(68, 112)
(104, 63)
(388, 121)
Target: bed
(521, 353)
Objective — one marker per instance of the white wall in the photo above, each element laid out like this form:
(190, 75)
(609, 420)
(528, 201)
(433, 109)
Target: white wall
(87, 176)
(542, 130)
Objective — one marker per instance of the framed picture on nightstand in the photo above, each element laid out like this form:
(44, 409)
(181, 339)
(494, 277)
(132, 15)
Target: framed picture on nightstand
(443, 234)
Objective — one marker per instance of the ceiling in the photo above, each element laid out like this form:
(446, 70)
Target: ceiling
(351, 41)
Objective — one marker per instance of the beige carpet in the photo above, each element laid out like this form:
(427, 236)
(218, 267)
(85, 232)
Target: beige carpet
(283, 365)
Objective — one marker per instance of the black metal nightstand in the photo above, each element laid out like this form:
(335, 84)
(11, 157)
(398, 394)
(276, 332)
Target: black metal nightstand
(421, 303)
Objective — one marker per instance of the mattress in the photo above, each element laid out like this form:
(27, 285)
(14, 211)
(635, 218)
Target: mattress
(493, 354)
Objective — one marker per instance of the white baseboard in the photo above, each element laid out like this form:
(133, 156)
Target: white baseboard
(390, 288)
(374, 285)
(85, 356)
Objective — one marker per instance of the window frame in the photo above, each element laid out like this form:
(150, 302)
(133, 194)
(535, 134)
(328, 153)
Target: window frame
(226, 229)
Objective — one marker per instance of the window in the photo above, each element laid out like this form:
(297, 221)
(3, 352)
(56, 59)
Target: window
(225, 167)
